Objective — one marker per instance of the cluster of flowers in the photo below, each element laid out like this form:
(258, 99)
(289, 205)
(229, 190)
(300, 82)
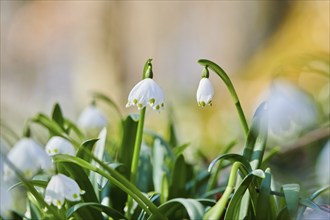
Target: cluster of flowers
(29, 158)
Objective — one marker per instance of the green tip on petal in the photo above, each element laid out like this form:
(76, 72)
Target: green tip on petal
(152, 101)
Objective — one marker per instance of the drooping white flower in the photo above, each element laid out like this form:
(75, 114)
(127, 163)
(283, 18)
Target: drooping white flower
(59, 145)
(290, 109)
(146, 92)
(61, 187)
(92, 120)
(29, 157)
(205, 92)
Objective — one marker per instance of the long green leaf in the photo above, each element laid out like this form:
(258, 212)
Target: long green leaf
(86, 146)
(106, 99)
(231, 212)
(232, 158)
(113, 177)
(291, 195)
(126, 150)
(194, 209)
(57, 115)
(52, 126)
(178, 179)
(265, 209)
(113, 213)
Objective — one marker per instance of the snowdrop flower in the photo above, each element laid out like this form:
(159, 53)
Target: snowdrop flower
(92, 121)
(146, 92)
(29, 157)
(205, 91)
(59, 145)
(290, 109)
(61, 187)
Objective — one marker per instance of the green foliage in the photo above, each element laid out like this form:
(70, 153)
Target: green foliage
(167, 186)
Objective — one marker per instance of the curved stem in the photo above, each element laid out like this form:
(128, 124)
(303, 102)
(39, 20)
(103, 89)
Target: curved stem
(217, 210)
(222, 74)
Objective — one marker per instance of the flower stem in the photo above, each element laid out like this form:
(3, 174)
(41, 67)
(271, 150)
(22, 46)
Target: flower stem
(217, 210)
(222, 74)
(136, 156)
(137, 146)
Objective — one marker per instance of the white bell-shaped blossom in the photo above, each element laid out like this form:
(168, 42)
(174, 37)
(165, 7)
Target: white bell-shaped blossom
(59, 145)
(92, 120)
(290, 109)
(61, 187)
(205, 92)
(146, 92)
(28, 157)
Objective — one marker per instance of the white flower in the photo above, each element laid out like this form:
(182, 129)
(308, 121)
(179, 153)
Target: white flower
(146, 92)
(205, 92)
(61, 187)
(92, 121)
(59, 145)
(29, 157)
(290, 109)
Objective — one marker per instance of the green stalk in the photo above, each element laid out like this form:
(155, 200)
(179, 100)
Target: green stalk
(115, 178)
(222, 74)
(127, 186)
(136, 156)
(217, 210)
(137, 146)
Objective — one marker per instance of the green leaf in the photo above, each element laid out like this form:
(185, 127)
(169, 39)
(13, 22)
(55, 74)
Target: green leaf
(71, 126)
(311, 198)
(144, 179)
(265, 206)
(99, 207)
(232, 212)
(52, 126)
(114, 177)
(98, 151)
(193, 208)
(291, 195)
(257, 137)
(57, 115)
(179, 150)
(106, 99)
(87, 145)
(126, 149)
(38, 183)
(164, 189)
(178, 179)
(232, 158)
(159, 154)
(319, 192)
(172, 140)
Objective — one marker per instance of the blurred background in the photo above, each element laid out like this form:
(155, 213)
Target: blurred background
(60, 51)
